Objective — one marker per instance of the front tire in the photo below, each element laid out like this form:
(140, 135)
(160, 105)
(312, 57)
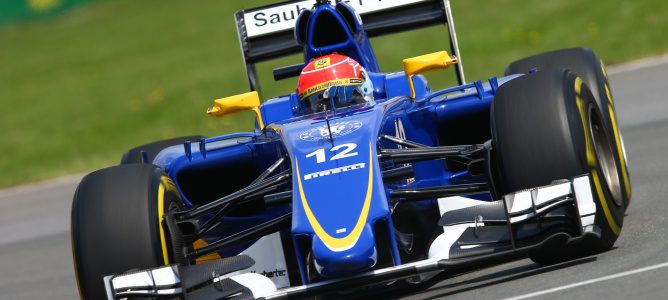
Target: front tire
(116, 223)
(584, 63)
(547, 127)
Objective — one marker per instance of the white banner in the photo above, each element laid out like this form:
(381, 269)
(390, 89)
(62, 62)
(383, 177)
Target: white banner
(279, 18)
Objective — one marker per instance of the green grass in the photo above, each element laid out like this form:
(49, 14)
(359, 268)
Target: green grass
(79, 89)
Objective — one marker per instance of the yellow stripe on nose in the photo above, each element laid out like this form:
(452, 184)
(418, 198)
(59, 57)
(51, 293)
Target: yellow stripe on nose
(346, 242)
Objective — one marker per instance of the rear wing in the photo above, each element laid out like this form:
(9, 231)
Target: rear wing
(266, 33)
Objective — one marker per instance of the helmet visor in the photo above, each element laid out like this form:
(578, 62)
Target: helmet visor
(332, 98)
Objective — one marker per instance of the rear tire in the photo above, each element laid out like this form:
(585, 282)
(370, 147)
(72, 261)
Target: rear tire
(547, 127)
(133, 156)
(587, 65)
(116, 223)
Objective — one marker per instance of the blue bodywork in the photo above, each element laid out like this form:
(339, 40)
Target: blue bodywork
(339, 196)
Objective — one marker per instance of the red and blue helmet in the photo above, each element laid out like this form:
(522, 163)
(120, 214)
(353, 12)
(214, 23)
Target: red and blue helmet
(333, 81)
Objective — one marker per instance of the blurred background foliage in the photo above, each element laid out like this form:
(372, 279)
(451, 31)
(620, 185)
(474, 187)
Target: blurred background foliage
(22, 10)
(81, 84)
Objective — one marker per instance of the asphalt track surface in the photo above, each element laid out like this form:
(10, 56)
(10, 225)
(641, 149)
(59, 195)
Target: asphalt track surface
(36, 261)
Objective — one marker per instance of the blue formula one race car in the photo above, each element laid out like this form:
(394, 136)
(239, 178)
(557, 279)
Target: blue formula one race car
(360, 180)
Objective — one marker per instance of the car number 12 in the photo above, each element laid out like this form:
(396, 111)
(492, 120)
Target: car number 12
(320, 155)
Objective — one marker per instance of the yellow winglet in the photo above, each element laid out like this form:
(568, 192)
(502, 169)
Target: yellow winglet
(237, 103)
(424, 63)
(213, 111)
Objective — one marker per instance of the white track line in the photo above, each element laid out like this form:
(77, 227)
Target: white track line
(41, 185)
(591, 281)
(642, 63)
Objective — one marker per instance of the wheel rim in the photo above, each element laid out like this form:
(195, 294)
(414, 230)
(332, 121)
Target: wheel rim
(605, 156)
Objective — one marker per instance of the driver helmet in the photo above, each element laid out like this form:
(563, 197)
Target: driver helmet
(333, 81)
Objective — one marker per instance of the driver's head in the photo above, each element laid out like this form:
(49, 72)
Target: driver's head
(333, 80)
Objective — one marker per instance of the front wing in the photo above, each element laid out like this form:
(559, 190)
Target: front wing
(225, 278)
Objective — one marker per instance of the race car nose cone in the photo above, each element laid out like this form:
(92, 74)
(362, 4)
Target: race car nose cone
(334, 262)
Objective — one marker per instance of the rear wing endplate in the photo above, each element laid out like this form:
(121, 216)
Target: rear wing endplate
(266, 33)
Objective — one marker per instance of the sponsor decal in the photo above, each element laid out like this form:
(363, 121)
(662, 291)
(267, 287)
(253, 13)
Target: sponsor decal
(272, 274)
(328, 84)
(283, 17)
(338, 129)
(269, 259)
(335, 171)
(321, 63)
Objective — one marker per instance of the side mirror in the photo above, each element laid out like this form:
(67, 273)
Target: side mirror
(424, 63)
(237, 103)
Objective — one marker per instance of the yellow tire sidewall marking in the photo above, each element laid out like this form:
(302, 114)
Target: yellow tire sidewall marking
(604, 204)
(591, 155)
(592, 161)
(161, 213)
(618, 142)
(607, 93)
(620, 152)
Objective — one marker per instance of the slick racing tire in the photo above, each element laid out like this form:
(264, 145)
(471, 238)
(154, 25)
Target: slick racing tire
(585, 63)
(547, 127)
(116, 224)
(133, 156)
